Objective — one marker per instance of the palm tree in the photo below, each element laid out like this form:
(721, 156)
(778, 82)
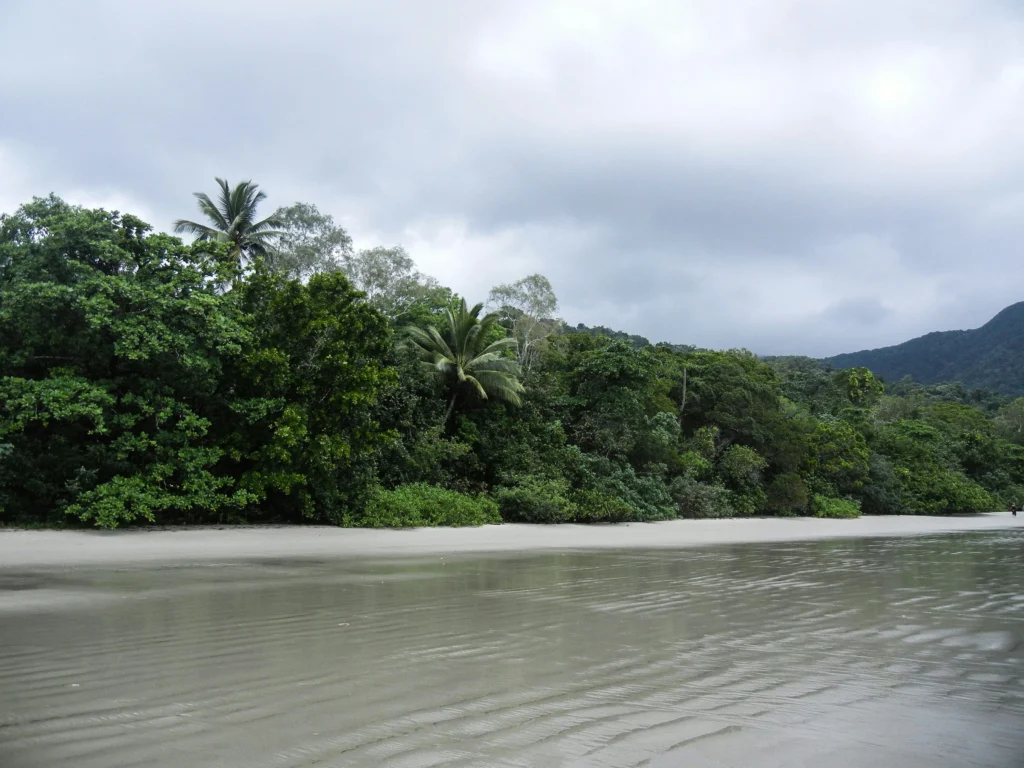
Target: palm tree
(233, 218)
(464, 359)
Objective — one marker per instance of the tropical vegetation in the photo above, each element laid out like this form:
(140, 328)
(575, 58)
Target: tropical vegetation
(270, 372)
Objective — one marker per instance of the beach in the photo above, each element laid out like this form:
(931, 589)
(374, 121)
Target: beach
(70, 548)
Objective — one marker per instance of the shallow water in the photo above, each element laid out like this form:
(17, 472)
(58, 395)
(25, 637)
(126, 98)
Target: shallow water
(899, 651)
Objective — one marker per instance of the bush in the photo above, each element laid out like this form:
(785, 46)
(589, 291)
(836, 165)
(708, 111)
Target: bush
(699, 500)
(830, 506)
(939, 491)
(610, 491)
(536, 500)
(748, 502)
(787, 494)
(419, 505)
(599, 507)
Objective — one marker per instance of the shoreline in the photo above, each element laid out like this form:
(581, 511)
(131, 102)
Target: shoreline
(48, 548)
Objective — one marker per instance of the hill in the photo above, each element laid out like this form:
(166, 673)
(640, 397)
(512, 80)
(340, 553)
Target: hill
(991, 357)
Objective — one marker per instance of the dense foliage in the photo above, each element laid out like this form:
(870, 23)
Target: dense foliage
(990, 357)
(146, 380)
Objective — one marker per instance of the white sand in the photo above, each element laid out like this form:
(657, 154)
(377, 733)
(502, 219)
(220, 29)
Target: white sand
(56, 548)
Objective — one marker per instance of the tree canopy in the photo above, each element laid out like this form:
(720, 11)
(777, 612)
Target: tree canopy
(143, 379)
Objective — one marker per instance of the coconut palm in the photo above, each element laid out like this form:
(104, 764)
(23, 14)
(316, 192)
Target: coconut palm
(464, 359)
(233, 220)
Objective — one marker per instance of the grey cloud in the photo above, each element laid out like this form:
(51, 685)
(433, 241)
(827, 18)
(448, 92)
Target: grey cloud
(865, 311)
(797, 177)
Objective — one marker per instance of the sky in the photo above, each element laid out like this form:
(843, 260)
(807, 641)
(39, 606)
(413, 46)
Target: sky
(789, 176)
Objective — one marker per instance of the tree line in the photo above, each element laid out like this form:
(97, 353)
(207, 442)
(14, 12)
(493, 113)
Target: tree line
(270, 372)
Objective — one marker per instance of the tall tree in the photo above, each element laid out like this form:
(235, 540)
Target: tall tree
(233, 220)
(528, 306)
(467, 356)
(112, 344)
(390, 280)
(310, 242)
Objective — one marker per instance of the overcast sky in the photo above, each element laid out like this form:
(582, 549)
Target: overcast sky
(790, 176)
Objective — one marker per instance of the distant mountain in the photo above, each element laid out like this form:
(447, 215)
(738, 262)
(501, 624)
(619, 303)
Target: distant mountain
(991, 356)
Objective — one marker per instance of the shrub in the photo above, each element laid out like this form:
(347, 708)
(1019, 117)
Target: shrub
(748, 502)
(830, 506)
(939, 491)
(787, 494)
(699, 500)
(419, 505)
(598, 507)
(613, 492)
(536, 500)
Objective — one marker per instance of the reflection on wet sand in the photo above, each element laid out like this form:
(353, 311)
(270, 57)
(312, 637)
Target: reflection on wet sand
(850, 653)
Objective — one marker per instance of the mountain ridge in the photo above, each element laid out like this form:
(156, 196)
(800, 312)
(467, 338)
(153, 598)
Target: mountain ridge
(990, 357)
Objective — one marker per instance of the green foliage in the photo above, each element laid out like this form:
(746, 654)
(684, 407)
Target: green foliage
(1009, 421)
(636, 497)
(927, 471)
(787, 494)
(232, 219)
(310, 243)
(883, 493)
(537, 500)
(467, 356)
(307, 384)
(830, 506)
(135, 389)
(527, 308)
(838, 458)
(930, 491)
(741, 469)
(421, 505)
(859, 386)
(693, 464)
(607, 387)
(391, 283)
(694, 499)
(113, 343)
(596, 506)
(732, 391)
(741, 466)
(255, 376)
(637, 342)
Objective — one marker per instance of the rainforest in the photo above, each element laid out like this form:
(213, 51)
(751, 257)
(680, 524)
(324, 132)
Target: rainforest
(264, 370)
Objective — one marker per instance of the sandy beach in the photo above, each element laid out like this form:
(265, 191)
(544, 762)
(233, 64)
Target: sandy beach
(19, 548)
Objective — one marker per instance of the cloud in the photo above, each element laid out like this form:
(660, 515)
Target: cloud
(803, 176)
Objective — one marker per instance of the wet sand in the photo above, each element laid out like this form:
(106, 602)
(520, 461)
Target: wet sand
(22, 548)
(878, 650)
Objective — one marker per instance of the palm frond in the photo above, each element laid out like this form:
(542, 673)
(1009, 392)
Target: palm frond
(233, 219)
(501, 387)
(494, 363)
(199, 231)
(509, 342)
(462, 355)
(476, 385)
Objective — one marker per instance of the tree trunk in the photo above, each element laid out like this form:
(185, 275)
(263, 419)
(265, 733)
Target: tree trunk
(451, 407)
(682, 405)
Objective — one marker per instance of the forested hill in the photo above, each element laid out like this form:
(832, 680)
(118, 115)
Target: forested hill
(269, 372)
(991, 357)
